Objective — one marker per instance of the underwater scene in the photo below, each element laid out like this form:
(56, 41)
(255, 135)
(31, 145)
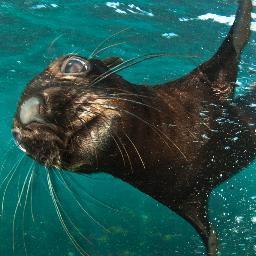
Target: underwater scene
(76, 214)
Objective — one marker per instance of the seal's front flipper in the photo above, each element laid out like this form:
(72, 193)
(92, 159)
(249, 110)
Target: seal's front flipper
(221, 70)
(195, 210)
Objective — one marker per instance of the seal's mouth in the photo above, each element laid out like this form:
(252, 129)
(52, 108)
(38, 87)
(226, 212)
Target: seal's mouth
(53, 145)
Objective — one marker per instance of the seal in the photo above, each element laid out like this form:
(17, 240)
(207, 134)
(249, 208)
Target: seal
(174, 141)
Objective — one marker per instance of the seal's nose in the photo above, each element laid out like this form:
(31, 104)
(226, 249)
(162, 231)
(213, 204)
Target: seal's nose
(18, 139)
(30, 111)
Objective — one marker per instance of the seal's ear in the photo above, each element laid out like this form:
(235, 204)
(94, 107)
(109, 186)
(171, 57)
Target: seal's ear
(112, 61)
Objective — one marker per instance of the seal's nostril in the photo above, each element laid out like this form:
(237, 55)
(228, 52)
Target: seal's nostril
(29, 111)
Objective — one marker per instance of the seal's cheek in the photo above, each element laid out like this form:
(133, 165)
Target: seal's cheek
(90, 145)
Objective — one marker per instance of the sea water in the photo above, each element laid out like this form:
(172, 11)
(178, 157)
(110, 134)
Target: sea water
(98, 214)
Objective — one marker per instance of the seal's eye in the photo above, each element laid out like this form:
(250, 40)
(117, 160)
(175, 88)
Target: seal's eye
(75, 65)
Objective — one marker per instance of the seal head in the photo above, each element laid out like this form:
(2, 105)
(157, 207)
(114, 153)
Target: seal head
(62, 120)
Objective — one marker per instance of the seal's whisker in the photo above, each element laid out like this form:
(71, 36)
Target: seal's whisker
(125, 150)
(49, 48)
(66, 186)
(140, 103)
(118, 146)
(74, 52)
(130, 62)
(12, 172)
(118, 68)
(89, 195)
(134, 61)
(113, 137)
(104, 118)
(146, 105)
(54, 41)
(106, 40)
(192, 134)
(121, 142)
(18, 187)
(10, 146)
(132, 101)
(31, 197)
(94, 148)
(107, 47)
(130, 94)
(60, 212)
(16, 209)
(123, 91)
(136, 149)
(25, 205)
(158, 131)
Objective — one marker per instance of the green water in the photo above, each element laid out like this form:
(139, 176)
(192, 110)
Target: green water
(111, 217)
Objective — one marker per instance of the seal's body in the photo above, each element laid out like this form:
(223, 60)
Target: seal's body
(174, 141)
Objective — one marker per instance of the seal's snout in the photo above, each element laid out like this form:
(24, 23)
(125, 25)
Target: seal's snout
(30, 111)
(18, 139)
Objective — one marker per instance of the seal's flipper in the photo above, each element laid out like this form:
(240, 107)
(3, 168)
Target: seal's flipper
(221, 70)
(195, 210)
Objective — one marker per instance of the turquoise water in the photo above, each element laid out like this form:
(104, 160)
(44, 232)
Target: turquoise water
(110, 217)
